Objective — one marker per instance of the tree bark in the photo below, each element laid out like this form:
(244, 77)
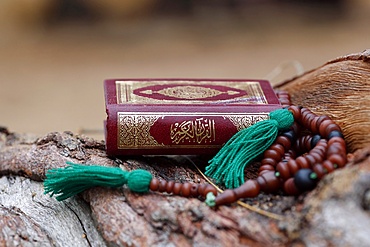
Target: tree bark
(336, 213)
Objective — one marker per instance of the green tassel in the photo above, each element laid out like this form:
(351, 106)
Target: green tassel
(75, 178)
(228, 165)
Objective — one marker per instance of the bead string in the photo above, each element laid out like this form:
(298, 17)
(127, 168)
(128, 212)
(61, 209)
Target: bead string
(312, 148)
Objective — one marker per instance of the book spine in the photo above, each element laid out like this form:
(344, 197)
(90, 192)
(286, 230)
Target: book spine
(192, 132)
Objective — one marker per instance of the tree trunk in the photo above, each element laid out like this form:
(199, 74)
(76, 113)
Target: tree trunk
(336, 213)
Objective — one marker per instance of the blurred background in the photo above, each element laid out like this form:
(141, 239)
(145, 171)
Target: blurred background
(54, 55)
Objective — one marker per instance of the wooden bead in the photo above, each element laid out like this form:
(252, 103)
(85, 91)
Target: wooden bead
(185, 190)
(227, 197)
(266, 167)
(336, 140)
(328, 165)
(311, 160)
(268, 182)
(320, 120)
(162, 186)
(154, 184)
(278, 148)
(290, 188)
(270, 153)
(296, 112)
(194, 190)
(293, 167)
(177, 188)
(319, 170)
(283, 170)
(210, 188)
(302, 162)
(318, 158)
(330, 128)
(201, 189)
(323, 126)
(338, 160)
(269, 161)
(169, 186)
(247, 190)
(284, 141)
(313, 126)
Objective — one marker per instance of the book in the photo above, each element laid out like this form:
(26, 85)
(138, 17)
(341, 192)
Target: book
(181, 116)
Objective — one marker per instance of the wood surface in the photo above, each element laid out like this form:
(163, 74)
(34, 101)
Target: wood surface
(336, 213)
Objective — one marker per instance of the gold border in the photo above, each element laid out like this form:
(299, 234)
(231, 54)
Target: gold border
(124, 91)
(236, 118)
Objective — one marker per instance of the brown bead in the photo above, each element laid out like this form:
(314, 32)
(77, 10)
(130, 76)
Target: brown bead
(296, 112)
(308, 119)
(318, 158)
(302, 162)
(278, 148)
(284, 141)
(330, 128)
(292, 166)
(336, 148)
(314, 129)
(269, 161)
(318, 153)
(247, 190)
(162, 186)
(283, 170)
(319, 170)
(328, 165)
(307, 143)
(227, 197)
(185, 190)
(210, 188)
(201, 189)
(269, 153)
(266, 167)
(194, 190)
(284, 101)
(338, 160)
(311, 160)
(320, 120)
(177, 189)
(290, 188)
(323, 126)
(154, 184)
(169, 186)
(336, 140)
(268, 182)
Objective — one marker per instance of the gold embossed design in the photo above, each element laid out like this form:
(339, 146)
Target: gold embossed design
(189, 92)
(198, 131)
(134, 131)
(125, 92)
(242, 122)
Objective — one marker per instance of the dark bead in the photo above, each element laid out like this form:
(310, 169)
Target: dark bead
(304, 180)
(290, 134)
(335, 133)
(315, 139)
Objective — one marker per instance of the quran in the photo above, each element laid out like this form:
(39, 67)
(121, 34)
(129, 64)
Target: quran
(181, 116)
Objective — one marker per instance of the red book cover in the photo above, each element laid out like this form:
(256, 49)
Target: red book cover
(181, 116)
